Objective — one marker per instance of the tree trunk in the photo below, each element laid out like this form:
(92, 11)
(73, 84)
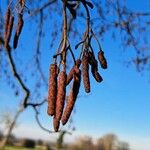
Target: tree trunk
(12, 125)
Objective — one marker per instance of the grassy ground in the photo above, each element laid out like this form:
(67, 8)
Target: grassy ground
(16, 148)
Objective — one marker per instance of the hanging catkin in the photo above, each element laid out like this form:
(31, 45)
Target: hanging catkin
(70, 75)
(94, 67)
(85, 72)
(96, 75)
(102, 59)
(9, 31)
(7, 17)
(18, 31)
(61, 94)
(56, 124)
(72, 97)
(52, 90)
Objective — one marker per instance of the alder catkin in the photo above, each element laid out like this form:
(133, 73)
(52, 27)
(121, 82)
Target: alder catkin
(85, 72)
(72, 97)
(18, 31)
(52, 89)
(94, 67)
(7, 17)
(9, 31)
(96, 75)
(70, 75)
(102, 59)
(61, 94)
(56, 124)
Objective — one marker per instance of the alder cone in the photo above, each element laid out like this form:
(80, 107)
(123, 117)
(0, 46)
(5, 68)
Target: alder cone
(85, 72)
(9, 31)
(61, 95)
(56, 124)
(72, 97)
(102, 59)
(19, 29)
(52, 90)
(72, 71)
(7, 17)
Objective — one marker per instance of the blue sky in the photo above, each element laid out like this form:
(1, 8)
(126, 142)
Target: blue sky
(120, 104)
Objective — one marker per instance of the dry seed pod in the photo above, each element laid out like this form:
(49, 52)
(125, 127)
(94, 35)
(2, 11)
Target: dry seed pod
(7, 17)
(9, 31)
(70, 75)
(85, 72)
(61, 94)
(19, 29)
(56, 124)
(102, 59)
(72, 97)
(52, 90)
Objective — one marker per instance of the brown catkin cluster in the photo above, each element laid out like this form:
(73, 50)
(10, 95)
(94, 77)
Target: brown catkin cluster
(18, 31)
(56, 94)
(57, 87)
(94, 67)
(85, 72)
(9, 22)
(72, 96)
(61, 94)
(72, 71)
(52, 90)
(102, 59)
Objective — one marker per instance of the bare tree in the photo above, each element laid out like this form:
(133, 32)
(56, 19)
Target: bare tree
(123, 146)
(107, 142)
(9, 121)
(83, 143)
(110, 16)
(111, 142)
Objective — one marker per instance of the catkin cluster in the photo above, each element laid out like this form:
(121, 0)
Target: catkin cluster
(9, 23)
(88, 59)
(57, 93)
(59, 80)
